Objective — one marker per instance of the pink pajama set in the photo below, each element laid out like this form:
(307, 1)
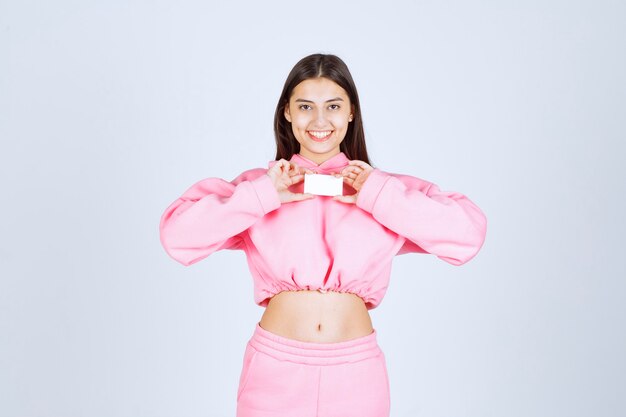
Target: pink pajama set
(326, 245)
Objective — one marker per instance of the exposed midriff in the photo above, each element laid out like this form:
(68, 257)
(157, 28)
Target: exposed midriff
(316, 316)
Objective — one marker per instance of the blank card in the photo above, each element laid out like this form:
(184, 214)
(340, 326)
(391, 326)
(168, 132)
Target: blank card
(321, 184)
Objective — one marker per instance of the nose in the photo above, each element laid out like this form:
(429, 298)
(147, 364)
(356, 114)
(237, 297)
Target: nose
(320, 118)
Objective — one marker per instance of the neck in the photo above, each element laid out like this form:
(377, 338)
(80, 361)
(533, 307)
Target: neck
(319, 158)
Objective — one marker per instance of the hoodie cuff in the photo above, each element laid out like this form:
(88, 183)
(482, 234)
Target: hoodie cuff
(266, 192)
(371, 189)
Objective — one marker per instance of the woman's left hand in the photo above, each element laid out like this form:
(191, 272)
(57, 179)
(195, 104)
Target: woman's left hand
(354, 175)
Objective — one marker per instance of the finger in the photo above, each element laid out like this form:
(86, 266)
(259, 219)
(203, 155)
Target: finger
(296, 178)
(282, 165)
(344, 199)
(361, 164)
(355, 169)
(345, 180)
(292, 169)
(275, 166)
(276, 170)
(303, 171)
(302, 196)
(361, 176)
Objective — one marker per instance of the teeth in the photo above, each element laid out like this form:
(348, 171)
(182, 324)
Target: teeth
(320, 135)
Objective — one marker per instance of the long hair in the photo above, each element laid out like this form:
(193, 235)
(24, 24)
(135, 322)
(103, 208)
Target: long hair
(316, 66)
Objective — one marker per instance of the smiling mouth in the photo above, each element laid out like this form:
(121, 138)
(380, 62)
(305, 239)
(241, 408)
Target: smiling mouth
(319, 136)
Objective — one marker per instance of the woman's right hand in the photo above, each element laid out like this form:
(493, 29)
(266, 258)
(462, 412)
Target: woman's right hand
(283, 175)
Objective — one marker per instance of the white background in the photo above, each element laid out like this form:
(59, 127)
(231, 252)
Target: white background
(110, 110)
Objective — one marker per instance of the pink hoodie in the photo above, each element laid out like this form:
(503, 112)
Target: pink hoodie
(322, 244)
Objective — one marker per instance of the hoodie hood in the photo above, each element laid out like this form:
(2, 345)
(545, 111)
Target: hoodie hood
(334, 164)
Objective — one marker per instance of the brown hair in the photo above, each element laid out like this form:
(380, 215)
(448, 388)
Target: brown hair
(315, 66)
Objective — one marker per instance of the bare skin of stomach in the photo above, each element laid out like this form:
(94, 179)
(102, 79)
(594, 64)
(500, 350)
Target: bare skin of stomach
(313, 316)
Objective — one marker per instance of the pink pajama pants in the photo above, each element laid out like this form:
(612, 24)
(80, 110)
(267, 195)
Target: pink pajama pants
(283, 377)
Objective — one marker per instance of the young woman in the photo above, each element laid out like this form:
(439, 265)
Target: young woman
(319, 263)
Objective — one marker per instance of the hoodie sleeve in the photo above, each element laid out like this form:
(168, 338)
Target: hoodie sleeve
(213, 214)
(445, 224)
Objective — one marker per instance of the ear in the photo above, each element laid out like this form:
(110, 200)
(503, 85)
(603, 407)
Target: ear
(287, 113)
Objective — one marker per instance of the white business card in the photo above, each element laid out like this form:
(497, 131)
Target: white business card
(321, 184)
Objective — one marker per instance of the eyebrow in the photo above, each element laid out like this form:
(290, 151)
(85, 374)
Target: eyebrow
(327, 101)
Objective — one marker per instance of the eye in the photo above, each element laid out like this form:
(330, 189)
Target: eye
(336, 106)
(303, 105)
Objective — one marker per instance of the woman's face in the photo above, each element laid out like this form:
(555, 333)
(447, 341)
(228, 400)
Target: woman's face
(319, 111)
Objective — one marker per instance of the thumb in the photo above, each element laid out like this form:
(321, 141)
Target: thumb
(345, 198)
(301, 196)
